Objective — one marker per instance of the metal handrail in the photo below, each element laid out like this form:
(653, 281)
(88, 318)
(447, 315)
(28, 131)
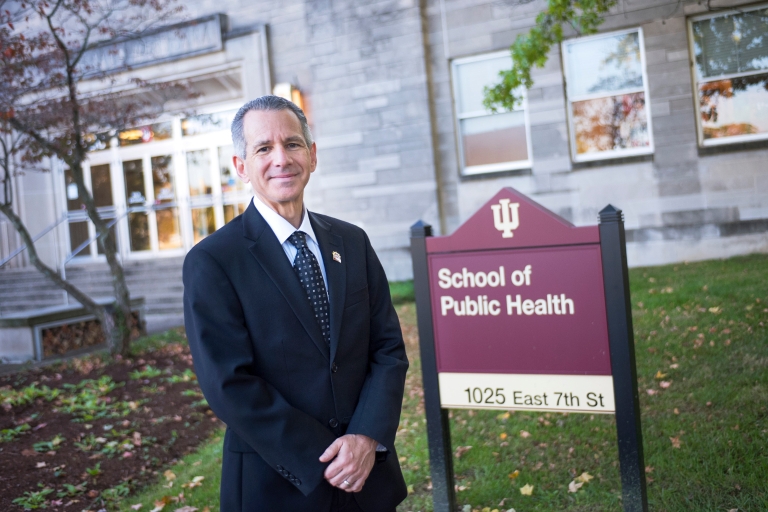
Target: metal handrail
(35, 238)
(88, 242)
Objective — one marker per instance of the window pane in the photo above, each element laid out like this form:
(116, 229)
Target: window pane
(138, 227)
(199, 172)
(203, 222)
(731, 44)
(230, 181)
(734, 107)
(133, 171)
(494, 139)
(73, 196)
(604, 64)
(162, 179)
(472, 77)
(168, 235)
(616, 122)
(78, 233)
(233, 210)
(205, 123)
(144, 134)
(101, 182)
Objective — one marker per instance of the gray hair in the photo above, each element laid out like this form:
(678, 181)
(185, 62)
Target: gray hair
(268, 102)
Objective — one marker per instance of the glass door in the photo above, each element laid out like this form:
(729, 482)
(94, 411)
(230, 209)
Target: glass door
(153, 213)
(99, 180)
(165, 208)
(136, 202)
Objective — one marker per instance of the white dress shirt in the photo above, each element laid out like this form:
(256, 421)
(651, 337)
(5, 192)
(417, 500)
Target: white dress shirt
(284, 229)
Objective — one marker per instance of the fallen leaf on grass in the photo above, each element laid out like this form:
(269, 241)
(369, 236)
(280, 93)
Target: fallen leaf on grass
(649, 469)
(524, 434)
(196, 482)
(136, 506)
(674, 366)
(461, 450)
(169, 475)
(664, 384)
(503, 435)
(651, 391)
(584, 477)
(186, 508)
(514, 474)
(676, 410)
(675, 442)
(574, 486)
(526, 490)
(659, 375)
(197, 463)
(715, 310)
(40, 465)
(161, 503)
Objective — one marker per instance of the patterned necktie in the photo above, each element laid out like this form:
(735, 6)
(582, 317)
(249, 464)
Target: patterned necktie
(311, 278)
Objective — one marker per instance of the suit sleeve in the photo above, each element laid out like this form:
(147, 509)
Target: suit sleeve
(285, 437)
(377, 414)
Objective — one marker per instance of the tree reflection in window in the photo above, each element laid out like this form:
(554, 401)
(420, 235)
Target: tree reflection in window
(606, 124)
(731, 56)
(607, 93)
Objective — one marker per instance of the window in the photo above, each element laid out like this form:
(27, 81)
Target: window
(488, 142)
(169, 184)
(730, 52)
(607, 91)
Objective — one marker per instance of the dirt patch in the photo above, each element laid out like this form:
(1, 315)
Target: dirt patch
(82, 435)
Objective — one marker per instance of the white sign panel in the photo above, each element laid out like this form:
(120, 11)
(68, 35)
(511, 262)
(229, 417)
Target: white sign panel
(563, 393)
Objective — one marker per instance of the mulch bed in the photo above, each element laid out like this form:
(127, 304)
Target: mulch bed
(51, 440)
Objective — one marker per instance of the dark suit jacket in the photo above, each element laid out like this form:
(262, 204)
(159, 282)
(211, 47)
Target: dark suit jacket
(266, 371)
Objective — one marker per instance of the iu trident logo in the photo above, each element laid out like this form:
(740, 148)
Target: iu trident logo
(505, 217)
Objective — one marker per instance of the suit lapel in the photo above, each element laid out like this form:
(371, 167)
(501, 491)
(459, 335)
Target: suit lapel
(335, 271)
(270, 255)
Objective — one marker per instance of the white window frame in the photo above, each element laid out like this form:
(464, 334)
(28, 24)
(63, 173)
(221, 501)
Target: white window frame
(718, 141)
(614, 153)
(457, 118)
(177, 146)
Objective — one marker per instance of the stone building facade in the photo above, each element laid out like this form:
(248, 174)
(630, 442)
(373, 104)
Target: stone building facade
(391, 89)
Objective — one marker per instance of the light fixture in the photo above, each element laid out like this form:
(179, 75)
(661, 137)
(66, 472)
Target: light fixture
(289, 92)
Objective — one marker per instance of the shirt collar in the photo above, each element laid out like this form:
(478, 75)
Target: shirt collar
(281, 227)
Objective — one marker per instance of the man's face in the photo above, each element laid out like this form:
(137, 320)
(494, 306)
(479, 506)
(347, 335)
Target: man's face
(277, 160)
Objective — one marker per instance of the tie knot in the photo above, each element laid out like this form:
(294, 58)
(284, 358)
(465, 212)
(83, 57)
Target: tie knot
(298, 239)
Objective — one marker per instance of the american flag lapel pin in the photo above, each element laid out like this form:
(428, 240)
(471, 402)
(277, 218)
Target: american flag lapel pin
(336, 257)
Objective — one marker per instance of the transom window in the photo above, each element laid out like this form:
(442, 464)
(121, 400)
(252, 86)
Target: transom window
(730, 53)
(607, 91)
(488, 142)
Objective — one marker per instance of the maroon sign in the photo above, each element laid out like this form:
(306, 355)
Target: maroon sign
(518, 290)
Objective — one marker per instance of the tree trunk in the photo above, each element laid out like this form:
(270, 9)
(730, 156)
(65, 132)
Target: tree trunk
(100, 312)
(119, 332)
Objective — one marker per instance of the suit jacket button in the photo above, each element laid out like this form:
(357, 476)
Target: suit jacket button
(334, 367)
(279, 467)
(333, 423)
(297, 482)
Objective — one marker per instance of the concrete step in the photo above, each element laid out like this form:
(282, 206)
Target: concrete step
(158, 281)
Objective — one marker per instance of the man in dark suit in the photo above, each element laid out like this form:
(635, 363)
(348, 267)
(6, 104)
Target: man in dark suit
(296, 344)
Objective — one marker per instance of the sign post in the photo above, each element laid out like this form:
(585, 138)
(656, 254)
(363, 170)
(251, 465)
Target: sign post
(519, 309)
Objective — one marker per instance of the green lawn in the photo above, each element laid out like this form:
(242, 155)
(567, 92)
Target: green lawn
(701, 350)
